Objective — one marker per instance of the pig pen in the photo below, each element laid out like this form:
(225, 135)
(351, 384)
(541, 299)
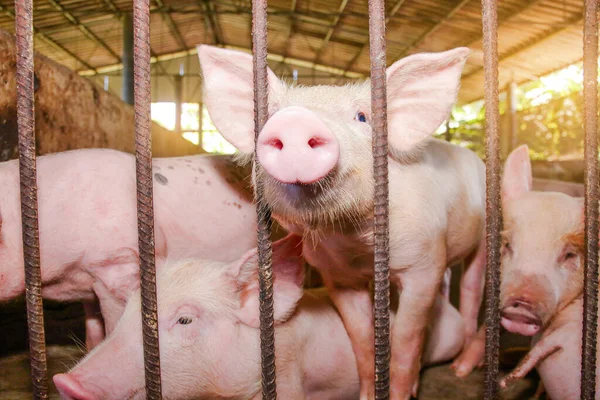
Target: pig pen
(54, 330)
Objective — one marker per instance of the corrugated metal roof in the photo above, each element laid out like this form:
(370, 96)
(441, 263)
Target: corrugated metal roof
(535, 36)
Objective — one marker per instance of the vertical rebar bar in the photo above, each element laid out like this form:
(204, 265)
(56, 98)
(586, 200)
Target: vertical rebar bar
(381, 198)
(145, 205)
(493, 205)
(29, 203)
(265, 252)
(590, 300)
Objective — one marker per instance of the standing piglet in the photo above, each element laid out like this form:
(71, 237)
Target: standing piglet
(88, 224)
(210, 341)
(542, 279)
(316, 164)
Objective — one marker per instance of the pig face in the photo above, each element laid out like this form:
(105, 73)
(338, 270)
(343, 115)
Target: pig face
(315, 151)
(542, 253)
(208, 331)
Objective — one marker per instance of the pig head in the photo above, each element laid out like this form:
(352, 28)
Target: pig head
(542, 250)
(315, 151)
(208, 331)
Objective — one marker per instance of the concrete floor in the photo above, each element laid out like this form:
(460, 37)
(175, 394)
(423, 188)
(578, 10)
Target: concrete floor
(437, 382)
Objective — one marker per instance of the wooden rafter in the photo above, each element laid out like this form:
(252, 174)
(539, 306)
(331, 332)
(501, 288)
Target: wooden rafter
(83, 28)
(49, 41)
(390, 15)
(172, 26)
(331, 30)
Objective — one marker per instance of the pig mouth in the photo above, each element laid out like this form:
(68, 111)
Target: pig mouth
(523, 322)
(301, 195)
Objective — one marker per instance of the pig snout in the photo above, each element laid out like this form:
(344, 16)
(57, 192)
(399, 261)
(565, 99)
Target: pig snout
(295, 146)
(71, 389)
(521, 316)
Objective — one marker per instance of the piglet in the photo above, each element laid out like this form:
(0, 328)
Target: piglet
(210, 340)
(88, 224)
(542, 278)
(316, 166)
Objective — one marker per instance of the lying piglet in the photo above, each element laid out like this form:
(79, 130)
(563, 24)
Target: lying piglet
(88, 224)
(316, 165)
(542, 268)
(209, 337)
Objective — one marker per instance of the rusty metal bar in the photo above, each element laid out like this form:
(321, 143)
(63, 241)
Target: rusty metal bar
(263, 211)
(145, 206)
(381, 198)
(590, 299)
(489, 14)
(29, 203)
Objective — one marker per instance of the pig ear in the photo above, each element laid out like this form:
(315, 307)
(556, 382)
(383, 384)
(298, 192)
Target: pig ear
(421, 90)
(517, 179)
(229, 93)
(288, 280)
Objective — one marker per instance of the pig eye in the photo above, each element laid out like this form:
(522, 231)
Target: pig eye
(360, 117)
(570, 256)
(506, 248)
(184, 320)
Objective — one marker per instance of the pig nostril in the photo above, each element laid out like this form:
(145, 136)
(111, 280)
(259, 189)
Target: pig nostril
(314, 142)
(278, 144)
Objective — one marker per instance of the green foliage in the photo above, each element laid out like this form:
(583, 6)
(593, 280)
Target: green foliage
(549, 117)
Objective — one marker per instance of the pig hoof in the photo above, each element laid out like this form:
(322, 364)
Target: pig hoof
(460, 371)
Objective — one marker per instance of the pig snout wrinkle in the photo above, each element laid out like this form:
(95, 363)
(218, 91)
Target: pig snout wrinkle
(70, 389)
(295, 146)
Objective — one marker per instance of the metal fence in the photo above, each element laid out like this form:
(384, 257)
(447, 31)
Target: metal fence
(28, 187)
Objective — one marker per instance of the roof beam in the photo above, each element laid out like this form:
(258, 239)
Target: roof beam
(172, 26)
(89, 34)
(213, 21)
(49, 41)
(292, 30)
(113, 8)
(557, 30)
(391, 14)
(434, 28)
(270, 56)
(331, 30)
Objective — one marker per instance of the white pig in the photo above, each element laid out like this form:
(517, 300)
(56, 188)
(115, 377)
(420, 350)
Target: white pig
(542, 279)
(317, 168)
(88, 224)
(210, 344)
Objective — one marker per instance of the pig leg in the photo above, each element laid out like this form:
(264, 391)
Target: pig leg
(471, 290)
(446, 336)
(543, 349)
(356, 309)
(113, 288)
(94, 325)
(471, 356)
(420, 285)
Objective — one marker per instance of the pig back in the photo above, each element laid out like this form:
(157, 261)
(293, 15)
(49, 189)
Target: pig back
(204, 207)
